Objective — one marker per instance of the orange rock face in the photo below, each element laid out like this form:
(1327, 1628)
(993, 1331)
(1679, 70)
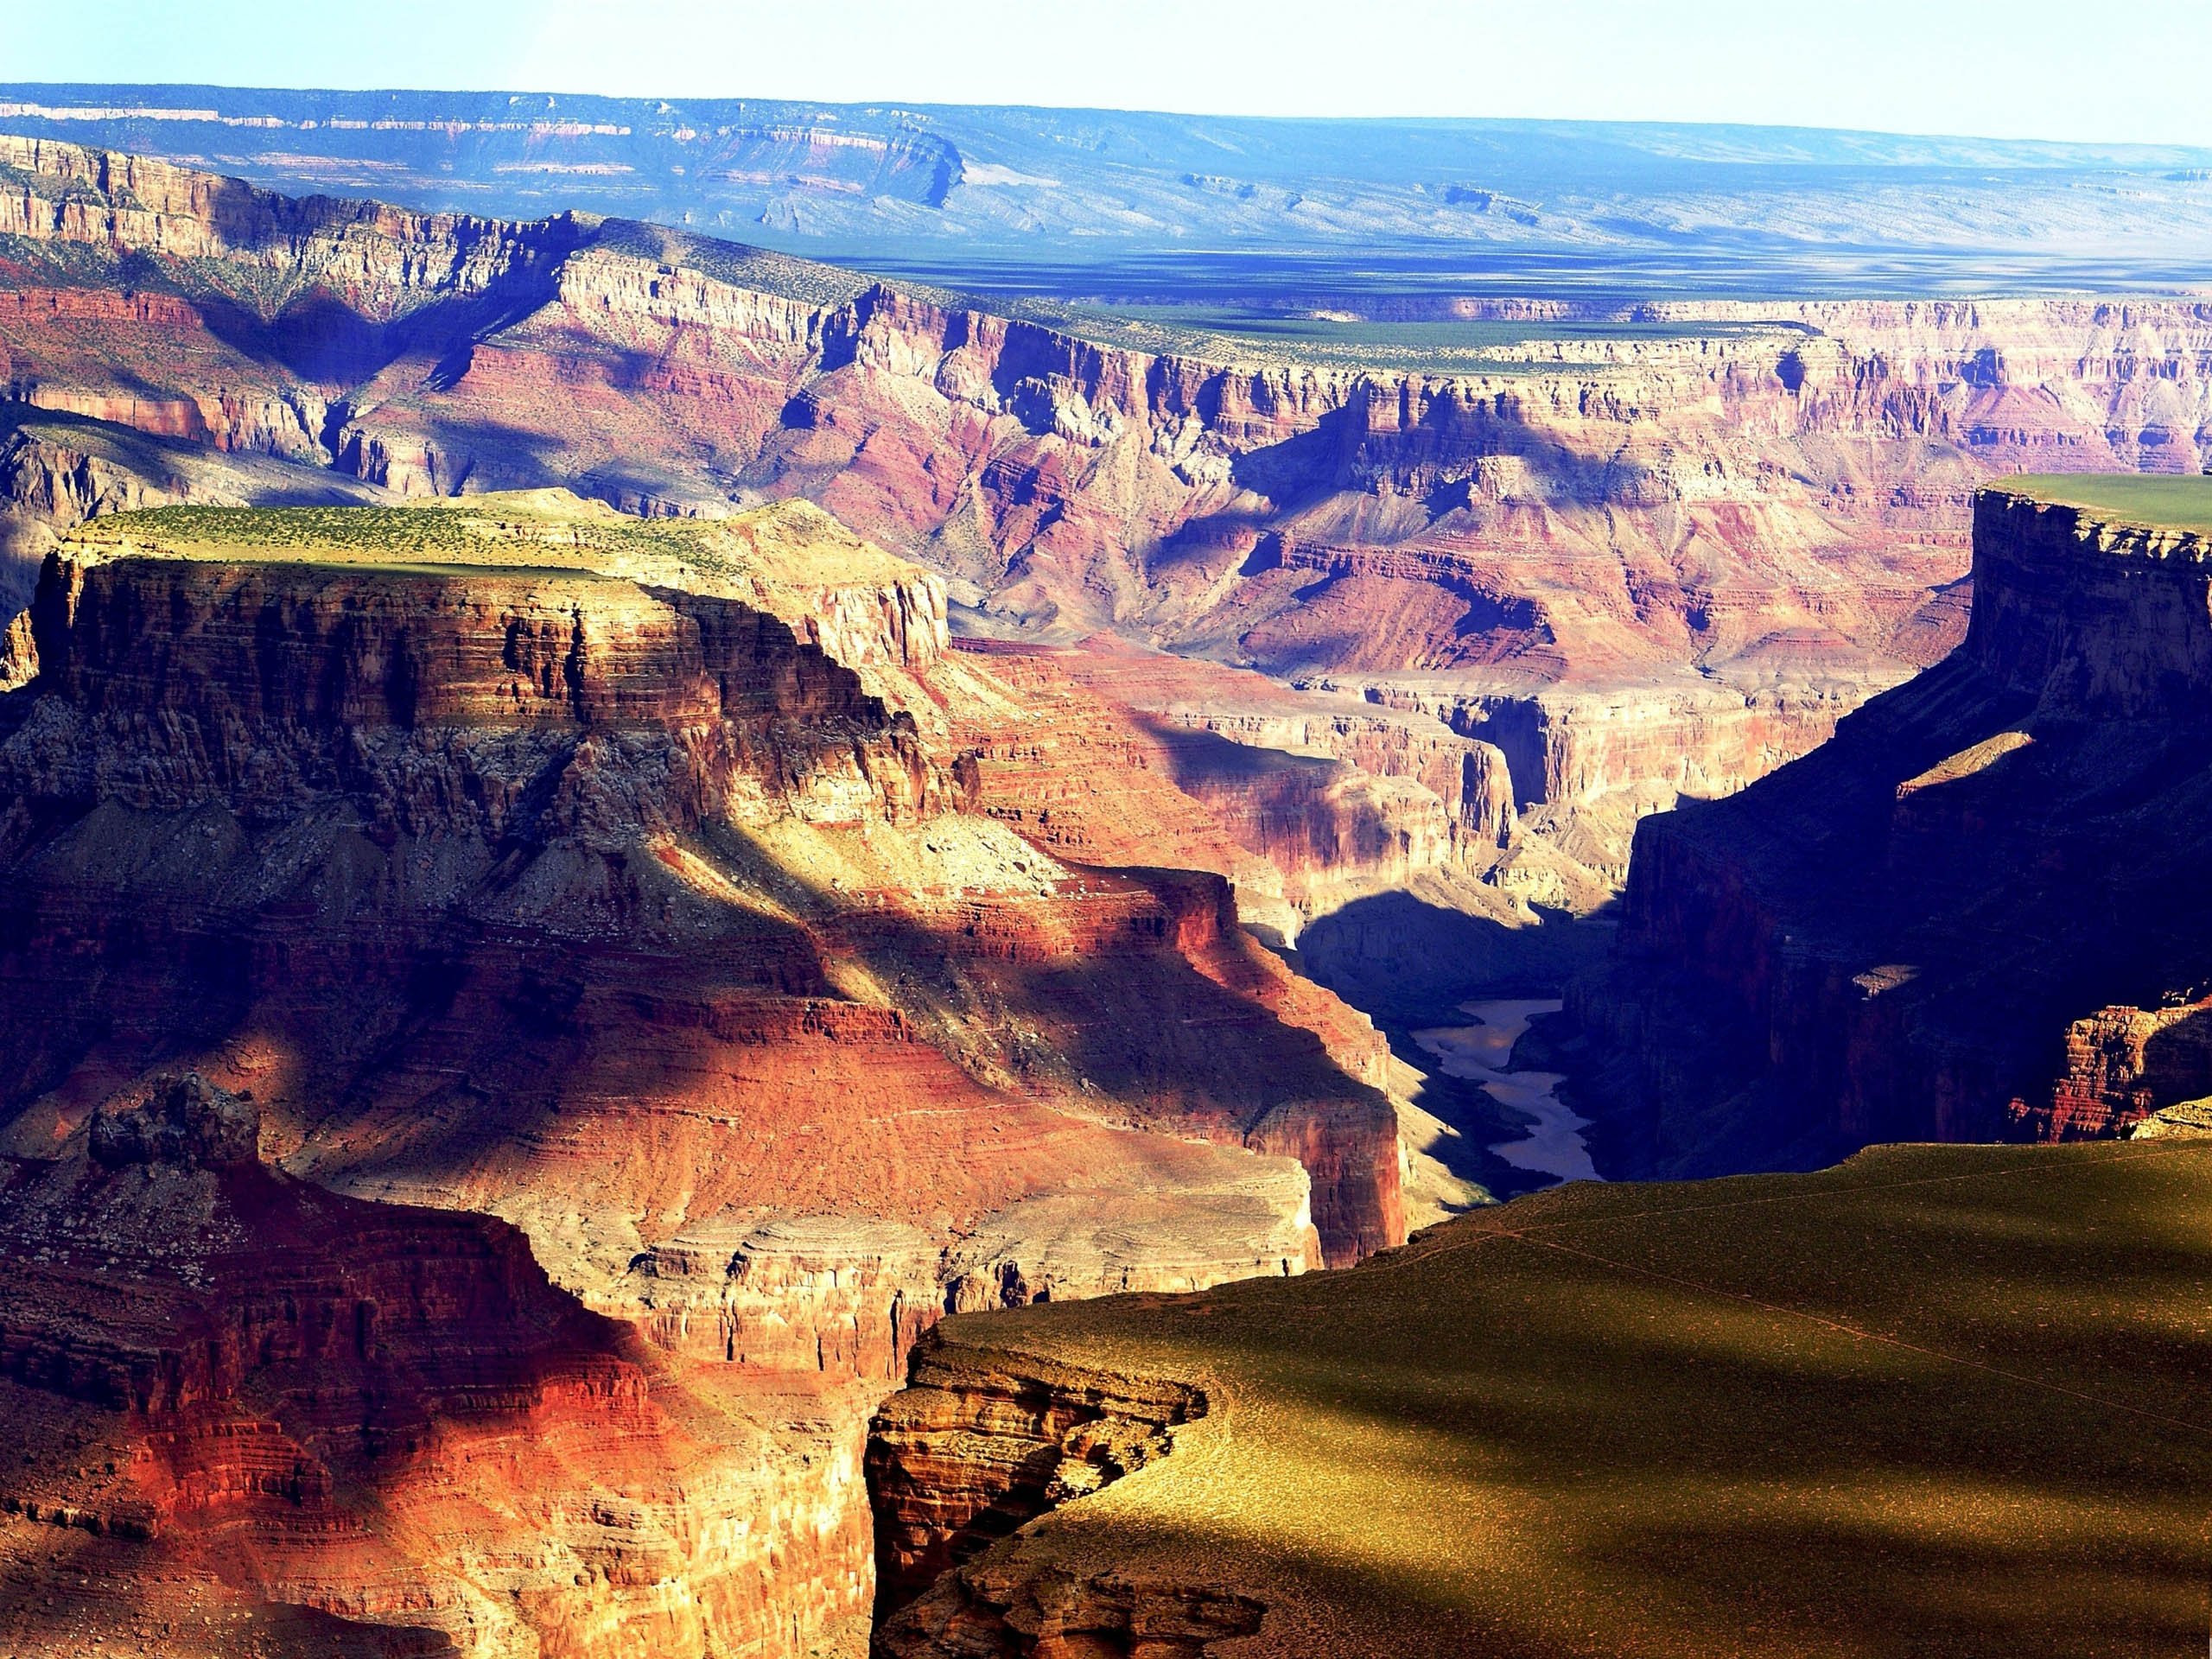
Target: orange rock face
(587, 741)
(631, 914)
(2121, 1064)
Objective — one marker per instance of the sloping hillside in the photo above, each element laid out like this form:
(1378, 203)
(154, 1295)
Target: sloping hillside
(1938, 1401)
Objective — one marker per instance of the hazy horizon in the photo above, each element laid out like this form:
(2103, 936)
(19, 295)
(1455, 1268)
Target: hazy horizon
(1963, 69)
(1411, 118)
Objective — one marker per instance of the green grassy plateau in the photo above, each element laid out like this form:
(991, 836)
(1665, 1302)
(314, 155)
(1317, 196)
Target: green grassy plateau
(532, 532)
(547, 528)
(1937, 1400)
(2178, 501)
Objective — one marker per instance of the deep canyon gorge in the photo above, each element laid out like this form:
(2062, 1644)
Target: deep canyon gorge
(1636, 568)
(601, 830)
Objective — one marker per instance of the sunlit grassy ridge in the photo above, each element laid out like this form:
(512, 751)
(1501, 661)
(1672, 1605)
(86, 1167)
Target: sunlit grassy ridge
(1940, 1400)
(494, 529)
(2153, 501)
(541, 531)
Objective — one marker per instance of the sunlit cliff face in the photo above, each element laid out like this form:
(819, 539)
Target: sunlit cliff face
(641, 885)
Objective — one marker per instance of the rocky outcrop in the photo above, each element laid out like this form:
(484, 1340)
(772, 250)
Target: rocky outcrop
(2187, 1120)
(1972, 913)
(2122, 1066)
(249, 1403)
(960, 1459)
(187, 1122)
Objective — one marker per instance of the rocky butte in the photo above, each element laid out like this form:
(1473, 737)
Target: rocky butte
(1980, 911)
(574, 983)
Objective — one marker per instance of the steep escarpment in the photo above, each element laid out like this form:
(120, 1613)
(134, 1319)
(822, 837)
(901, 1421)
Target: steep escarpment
(1579, 1424)
(596, 874)
(1974, 913)
(245, 312)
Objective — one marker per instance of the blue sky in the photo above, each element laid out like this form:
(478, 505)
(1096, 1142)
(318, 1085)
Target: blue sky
(2119, 70)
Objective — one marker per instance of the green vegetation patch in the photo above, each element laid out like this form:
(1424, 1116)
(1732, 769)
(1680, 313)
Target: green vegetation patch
(2150, 501)
(791, 546)
(1937, 1401)
(527, 531)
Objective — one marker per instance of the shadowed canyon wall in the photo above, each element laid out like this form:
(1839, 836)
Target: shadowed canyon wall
(626, 912)
(1975, 914)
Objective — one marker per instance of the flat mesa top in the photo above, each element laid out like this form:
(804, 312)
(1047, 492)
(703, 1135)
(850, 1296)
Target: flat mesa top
(2175, 501)
(537, 532)
(1950, 1401)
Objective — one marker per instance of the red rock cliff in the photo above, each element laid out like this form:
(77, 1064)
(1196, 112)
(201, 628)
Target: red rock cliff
(244, 1404)
(625, 911)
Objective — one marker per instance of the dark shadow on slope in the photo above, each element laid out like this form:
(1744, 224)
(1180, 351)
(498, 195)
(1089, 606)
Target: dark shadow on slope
(1406, 962)
(1357, 447)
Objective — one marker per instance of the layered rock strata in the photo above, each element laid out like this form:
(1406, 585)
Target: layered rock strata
(960, 1459)
(592, 874)
(1643, 567)
(1339, 797)
(249, 1407)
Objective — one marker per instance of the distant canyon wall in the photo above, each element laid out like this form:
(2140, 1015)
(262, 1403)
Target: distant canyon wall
(1733, 522)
